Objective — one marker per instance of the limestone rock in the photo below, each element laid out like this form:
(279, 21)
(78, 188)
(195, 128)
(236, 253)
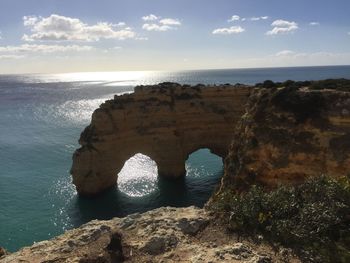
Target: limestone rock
(192, 227)
(154, 236)
(167, 122)
(287, 135)
(3, 252)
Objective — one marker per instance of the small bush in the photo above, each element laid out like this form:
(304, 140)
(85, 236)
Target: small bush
(267, 84)
(337, 84)
(313, 218)
(302, 105)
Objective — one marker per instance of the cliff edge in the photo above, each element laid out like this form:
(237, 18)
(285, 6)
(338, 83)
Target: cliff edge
(287, 135)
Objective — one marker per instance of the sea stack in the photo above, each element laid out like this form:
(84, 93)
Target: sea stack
(166, 122)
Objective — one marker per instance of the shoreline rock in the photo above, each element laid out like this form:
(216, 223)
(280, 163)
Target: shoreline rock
(165, 234)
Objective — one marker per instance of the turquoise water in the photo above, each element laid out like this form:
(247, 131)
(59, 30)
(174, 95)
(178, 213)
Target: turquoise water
(41, 117)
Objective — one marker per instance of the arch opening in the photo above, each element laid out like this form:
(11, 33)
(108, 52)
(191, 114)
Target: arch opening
(204, 170)
(139, 176)
(203, 162)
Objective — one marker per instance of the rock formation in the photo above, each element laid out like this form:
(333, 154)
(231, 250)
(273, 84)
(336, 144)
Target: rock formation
(162, 235)
(280, 135)
(287, 135)
(166, 122)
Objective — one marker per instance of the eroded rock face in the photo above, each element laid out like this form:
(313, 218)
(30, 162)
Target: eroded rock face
(3, 252)
(287, 135)
(159, 235)
(166, 122)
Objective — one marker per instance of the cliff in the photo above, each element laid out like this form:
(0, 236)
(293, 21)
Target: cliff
(167, 122)
(287, 135)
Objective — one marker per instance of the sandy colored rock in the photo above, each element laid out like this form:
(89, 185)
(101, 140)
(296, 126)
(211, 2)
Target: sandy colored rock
(3, 252)
(155, 236)
(166, 122)
(287, 135)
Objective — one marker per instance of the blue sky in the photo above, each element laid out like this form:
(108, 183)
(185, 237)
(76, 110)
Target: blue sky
(107, 35)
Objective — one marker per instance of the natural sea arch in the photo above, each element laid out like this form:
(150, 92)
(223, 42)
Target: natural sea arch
(139, 177)
(166, 122)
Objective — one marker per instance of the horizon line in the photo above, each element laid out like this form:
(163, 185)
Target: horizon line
(156, 70)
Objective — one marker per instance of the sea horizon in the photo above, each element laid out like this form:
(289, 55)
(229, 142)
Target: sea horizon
(176, 70)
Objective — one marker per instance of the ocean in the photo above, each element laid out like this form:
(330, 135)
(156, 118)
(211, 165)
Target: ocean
(41, 118)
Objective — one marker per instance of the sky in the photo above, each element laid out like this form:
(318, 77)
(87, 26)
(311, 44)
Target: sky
(57, 36)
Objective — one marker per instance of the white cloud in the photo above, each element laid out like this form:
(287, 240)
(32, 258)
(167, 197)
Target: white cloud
(121, 24)
(34, 48)
(228, 30)
(285, 53)
(30, 20)
(164, 24)
(61, 28)
(314, 23)
(234, 18)
(255, 18)
(282, 26)
(150, 17)
(259, 18)
(155, 27)
(170, 22)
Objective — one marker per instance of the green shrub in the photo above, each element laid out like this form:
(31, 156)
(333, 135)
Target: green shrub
(312, 218)
(302, 105)
(337, 84)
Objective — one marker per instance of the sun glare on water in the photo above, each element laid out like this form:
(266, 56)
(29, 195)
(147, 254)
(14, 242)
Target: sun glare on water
(138, 176)
(124, 77)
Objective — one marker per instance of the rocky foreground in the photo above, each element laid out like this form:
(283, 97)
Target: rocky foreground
(162, 235)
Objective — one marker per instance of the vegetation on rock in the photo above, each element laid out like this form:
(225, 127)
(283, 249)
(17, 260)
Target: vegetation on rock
(303, 105)
(312, 218)
(334, 84)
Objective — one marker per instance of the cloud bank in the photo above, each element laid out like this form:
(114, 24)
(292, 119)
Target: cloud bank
(62, 28)
(150, 17)
(228, 30)
(158, 24)
(282, 27)
(234, 18)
